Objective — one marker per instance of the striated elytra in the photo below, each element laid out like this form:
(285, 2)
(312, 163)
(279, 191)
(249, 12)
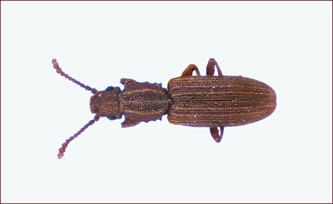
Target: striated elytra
(196, 101)
(215, 101)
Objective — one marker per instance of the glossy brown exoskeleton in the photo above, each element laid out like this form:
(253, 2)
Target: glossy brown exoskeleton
(197, 101)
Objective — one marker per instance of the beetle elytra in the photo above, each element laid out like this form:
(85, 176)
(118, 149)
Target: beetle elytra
(196, 101)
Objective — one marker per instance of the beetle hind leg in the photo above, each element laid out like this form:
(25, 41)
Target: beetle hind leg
(210, 68)
(215, 133)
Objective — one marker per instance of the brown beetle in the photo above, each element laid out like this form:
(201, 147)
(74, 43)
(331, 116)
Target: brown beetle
(196, 101)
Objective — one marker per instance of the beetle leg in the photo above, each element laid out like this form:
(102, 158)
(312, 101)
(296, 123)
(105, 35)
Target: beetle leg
(189, 71)
(210, 67)
(215, 133)
(129, 123)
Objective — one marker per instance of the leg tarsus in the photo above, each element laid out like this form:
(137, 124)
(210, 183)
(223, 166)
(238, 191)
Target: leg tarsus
(210, 68)
(215, 133)
(189, 70)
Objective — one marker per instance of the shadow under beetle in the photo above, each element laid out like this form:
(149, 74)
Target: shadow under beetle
(196, 101)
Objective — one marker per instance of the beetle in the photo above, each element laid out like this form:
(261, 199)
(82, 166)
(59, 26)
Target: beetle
(196, 101)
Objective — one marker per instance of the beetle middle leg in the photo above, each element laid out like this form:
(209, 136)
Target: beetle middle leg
(189, 71)
(210, 67)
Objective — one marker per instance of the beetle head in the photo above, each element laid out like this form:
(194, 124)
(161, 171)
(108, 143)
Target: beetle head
(105, 103)
(102, 103)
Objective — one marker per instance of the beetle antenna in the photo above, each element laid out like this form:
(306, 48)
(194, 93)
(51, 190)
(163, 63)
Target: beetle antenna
(59, 71)
(65, 144)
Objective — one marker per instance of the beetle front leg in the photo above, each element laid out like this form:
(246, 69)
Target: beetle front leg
(210, 67)
(129, 123)
(189, 70)
(215, 133)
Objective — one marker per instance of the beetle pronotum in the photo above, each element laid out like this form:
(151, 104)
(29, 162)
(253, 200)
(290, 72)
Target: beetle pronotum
(196, 101)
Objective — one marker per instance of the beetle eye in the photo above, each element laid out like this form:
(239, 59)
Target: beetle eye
(110, 88)
(111, 117)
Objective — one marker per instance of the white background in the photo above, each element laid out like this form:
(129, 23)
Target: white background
(283, 158)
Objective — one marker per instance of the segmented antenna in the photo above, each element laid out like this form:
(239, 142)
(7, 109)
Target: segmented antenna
(65, 144)
(96, 118)
(59, 71)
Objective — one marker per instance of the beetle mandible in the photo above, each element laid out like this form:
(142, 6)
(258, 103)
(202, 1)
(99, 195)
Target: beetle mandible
(196, 101)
